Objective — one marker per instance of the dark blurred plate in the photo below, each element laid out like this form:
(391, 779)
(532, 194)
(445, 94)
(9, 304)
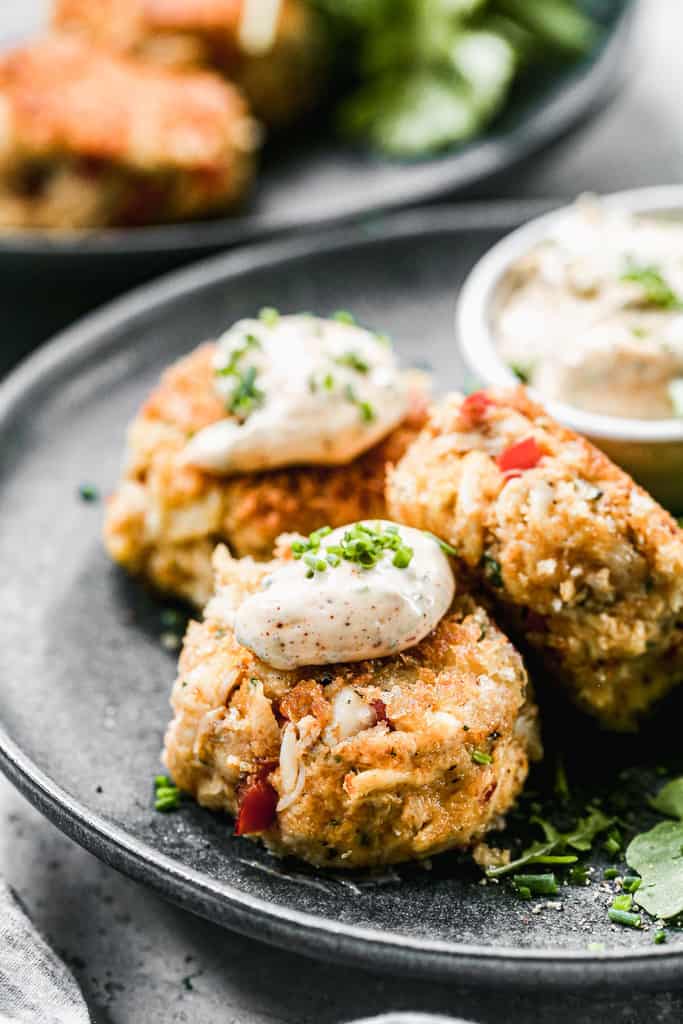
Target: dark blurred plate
(303, 185)
(84, 679)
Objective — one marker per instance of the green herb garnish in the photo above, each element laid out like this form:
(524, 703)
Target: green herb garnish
(625, 918)
(659, 937)
(493, 570)
(354, 361)
(246, 396)
(362, 544)
(656, 291)
(167, 797)
(342, 316)
(537, 885)
(269, 316)
(580, 838)
(446, 548)
(523, 373)
(481, 757)
(88, 492)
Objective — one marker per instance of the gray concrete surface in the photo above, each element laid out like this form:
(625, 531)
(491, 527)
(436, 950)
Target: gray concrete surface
(141, 961)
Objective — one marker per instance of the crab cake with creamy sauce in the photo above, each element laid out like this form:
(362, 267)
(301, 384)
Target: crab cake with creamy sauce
(273, 49)
(580, 560)
(285, 423)
(347, 705)
(91, 140)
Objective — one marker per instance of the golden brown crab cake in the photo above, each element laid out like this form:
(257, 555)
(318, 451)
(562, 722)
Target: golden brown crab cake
(274, 50)
(89, 140)
(353, 765)
(584, 564)
(166, 516)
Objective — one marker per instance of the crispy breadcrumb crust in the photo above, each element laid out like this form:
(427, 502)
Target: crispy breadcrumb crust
(584, 564)
(401, 788)
(166, 517)
(280, 84)
(91, 139)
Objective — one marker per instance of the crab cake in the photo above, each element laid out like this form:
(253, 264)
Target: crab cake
(91, 140)
(359, 763)
(273, 49)
(583, 563)
(168, 514)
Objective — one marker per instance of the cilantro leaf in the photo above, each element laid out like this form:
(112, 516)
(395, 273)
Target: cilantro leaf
(657, 856)
(669, 800)
(551, 850)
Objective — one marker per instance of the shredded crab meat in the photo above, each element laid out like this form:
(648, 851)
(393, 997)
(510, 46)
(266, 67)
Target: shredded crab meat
(350, 715)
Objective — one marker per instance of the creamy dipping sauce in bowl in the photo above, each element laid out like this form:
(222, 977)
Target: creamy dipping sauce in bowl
(592, 316)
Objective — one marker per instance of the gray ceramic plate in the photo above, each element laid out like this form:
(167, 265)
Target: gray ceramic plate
(85, 679)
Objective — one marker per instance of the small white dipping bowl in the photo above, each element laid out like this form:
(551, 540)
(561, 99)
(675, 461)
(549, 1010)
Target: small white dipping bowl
(650, 450)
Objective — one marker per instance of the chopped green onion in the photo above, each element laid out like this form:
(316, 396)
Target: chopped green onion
(631, 884)
(354, 361)
(269, 316)
(88, 492)
(610, 873)
(481, 757)
(445, 547)
(659, 937)
(403, 557)
(538, 885)
(167, 797)
(624, 901)
(625, 918)
(342, 316)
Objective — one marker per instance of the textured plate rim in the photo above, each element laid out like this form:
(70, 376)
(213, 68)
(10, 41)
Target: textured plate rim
(315, 936)
(586, 90)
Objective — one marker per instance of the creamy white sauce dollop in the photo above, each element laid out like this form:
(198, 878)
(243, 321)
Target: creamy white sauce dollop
(325, 391)
(585, 335)
(347, 613)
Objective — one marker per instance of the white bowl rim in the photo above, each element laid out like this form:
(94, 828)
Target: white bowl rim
(476, 338)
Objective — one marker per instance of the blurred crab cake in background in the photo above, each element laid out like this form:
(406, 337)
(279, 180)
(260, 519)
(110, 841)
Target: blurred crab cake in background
(286, 422)
(347, 705)
(91, 140)
(580, 560)
(272, 49)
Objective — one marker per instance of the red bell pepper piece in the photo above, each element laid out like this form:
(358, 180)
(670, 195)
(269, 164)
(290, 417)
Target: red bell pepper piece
(256, 812)
(524, 455)
(474, 408)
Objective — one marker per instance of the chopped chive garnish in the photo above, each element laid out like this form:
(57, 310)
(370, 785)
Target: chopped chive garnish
(166, 796)
(624, 917)
(342, 316)
(631, 884)
(481, 757)
(624, 901)
(659, 937)
(88, 492)
(361, 544)
(367, 412)
(568, 858)
(493, 570)
(656, 291)
(269, 316)
(446, 548)
(578, 875)
(403, 557)
(328, 382)
(610, 873)
(538, 885)
(354, 361)
(612, 844)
